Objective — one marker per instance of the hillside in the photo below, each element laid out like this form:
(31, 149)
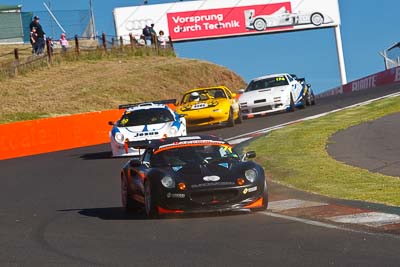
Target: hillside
(91, 85)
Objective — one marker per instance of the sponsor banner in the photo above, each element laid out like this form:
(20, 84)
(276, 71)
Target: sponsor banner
(192, 20)
(390, 76)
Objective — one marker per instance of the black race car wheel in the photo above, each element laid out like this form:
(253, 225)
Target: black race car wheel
(150, 201)
(312, 99)
(303, 101)
(127, 202)
(308, 99)
(239, 120)
(291, 107)
(231, 120)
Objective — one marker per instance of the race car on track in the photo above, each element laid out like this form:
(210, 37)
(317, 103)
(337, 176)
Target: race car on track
(308, 93)
(210, 106)
(283, 17)
(275, 92)
(144, 121)
(191, 174)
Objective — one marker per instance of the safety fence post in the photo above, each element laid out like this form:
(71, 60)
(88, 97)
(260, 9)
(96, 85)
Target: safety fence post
(77, 49)
(103, 39)
(121, 42)
(49, 52)
(131, 40)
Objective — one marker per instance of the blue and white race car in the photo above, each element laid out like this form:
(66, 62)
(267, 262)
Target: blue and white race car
(144, 121)
(271, 93)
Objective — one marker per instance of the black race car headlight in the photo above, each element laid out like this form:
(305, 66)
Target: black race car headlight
(251, 175)
(119, 137)
(168, 182)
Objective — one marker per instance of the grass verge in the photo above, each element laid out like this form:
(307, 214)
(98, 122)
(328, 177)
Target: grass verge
(99, 81)
(296, 156)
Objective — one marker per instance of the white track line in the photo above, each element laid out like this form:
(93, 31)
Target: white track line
(374, 219)
(288, 204)
(326, 225)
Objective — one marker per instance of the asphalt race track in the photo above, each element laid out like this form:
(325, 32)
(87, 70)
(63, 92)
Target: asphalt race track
(374, 145)
(63, 209)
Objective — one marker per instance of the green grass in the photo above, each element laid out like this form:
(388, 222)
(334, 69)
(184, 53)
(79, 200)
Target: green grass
(296, 156)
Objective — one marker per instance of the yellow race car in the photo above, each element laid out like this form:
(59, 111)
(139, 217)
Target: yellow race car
(210, 106)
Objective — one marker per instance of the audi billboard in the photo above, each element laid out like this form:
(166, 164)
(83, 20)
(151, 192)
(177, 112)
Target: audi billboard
(194, 20)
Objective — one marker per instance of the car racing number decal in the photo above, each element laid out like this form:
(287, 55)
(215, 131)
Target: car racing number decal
(124, 121)
(199, 106)
(280, 79)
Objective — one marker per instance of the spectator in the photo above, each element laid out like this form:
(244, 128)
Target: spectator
(33, 40)
(162, 39)
(51, 44)
(40, 34)
(147, 35)
(153, 32)
(64, 43)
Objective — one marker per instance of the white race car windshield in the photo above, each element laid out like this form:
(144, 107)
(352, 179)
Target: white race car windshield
(145, 116)
(267, 83)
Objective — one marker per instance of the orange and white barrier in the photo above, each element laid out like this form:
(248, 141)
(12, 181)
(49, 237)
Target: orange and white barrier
(53, 134)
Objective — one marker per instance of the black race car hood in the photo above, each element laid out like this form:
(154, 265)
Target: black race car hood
(213, 173)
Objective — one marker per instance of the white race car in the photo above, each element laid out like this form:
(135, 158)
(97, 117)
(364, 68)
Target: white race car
(283, 17)
(144, 121)
(275, 92)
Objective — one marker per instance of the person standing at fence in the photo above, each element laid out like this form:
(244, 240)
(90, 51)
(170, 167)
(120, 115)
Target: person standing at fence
(40, 35)
(64, 42)
(162, 39)
(147, 35)
(153, 34)
(33, 40)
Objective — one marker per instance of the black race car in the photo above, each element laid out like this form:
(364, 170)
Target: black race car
(192, 174)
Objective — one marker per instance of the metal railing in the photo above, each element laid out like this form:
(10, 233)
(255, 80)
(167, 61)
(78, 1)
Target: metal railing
(391, 56)
(11, 63)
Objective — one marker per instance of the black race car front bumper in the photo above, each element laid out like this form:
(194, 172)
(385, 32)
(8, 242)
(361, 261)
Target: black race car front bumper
(211, 199)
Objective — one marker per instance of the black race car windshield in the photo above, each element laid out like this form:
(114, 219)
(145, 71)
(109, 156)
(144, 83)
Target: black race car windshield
(266, 83)
(194, 154)
(145, 116)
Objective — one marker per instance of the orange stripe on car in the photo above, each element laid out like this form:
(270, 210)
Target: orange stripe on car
(167, 211)
(256, 204)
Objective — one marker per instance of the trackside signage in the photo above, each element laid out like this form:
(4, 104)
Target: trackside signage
(390, 76)
(192, 20)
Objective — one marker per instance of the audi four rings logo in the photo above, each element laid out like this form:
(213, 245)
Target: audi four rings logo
(132, 25)
(212, 178)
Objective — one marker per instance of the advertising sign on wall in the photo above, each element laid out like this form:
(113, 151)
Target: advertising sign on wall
(193, 20)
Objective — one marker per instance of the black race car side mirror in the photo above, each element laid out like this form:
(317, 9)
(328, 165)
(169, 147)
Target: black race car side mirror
(111, 123)
(250, 154)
